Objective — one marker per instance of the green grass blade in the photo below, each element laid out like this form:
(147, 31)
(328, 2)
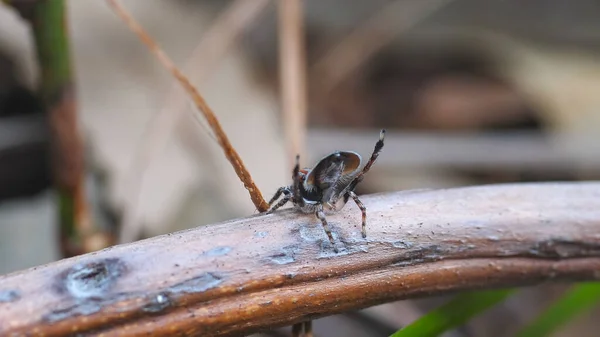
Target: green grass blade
(454, 313)
(576, 300)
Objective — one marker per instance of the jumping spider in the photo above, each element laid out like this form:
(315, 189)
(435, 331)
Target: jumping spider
(328, 185)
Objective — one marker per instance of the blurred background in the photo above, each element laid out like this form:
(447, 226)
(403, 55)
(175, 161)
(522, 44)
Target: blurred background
(471, 92)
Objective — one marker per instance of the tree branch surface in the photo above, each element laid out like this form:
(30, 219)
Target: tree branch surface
(266, 271)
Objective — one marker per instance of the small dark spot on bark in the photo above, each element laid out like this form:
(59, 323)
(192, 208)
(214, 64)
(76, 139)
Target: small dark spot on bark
(90, 280)
(158, 303)
(261, 234)
(285, 256)
(9, 295)
(402, 244)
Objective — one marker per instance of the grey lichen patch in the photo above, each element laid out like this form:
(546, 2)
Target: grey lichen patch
(88, 285)
(282, 258)
(201, 283)
(354, 243)
(362, 248)
(84, 308)
(327, 250)
(285, 256)
(313, 233)
(218, 251)
(402, 244)
(316, 233)
(91, 305)
(477, 224)
(261, 234)
(9, 295)
(92, 279)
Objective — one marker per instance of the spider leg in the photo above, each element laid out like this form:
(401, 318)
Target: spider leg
(374, 155)
(321, 217)
(363, 209)
(287, 196)
(277, 194)
(296, 186)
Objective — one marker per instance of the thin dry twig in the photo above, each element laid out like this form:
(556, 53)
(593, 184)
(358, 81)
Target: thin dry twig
(232, 155)
(379, 30)
(206, 56)
(420, 243)
(292, 71)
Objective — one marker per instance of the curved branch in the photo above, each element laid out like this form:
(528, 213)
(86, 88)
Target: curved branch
(264, 271)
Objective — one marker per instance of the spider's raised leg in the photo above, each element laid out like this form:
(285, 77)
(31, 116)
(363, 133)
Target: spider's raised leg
(287, 196)
(374, 155)
(321, 217)
(296, 185)
(363, 209)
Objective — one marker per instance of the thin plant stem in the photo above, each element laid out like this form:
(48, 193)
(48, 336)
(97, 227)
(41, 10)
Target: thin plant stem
(231, 154)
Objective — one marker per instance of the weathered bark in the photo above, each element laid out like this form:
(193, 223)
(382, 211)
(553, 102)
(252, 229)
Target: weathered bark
(250, 274)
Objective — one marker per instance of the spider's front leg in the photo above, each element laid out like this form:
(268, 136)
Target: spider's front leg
(363, 209)
(287, 196)
(277, 194)
(321, 215)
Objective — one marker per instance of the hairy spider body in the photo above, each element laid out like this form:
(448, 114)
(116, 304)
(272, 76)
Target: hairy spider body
(327, 186)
